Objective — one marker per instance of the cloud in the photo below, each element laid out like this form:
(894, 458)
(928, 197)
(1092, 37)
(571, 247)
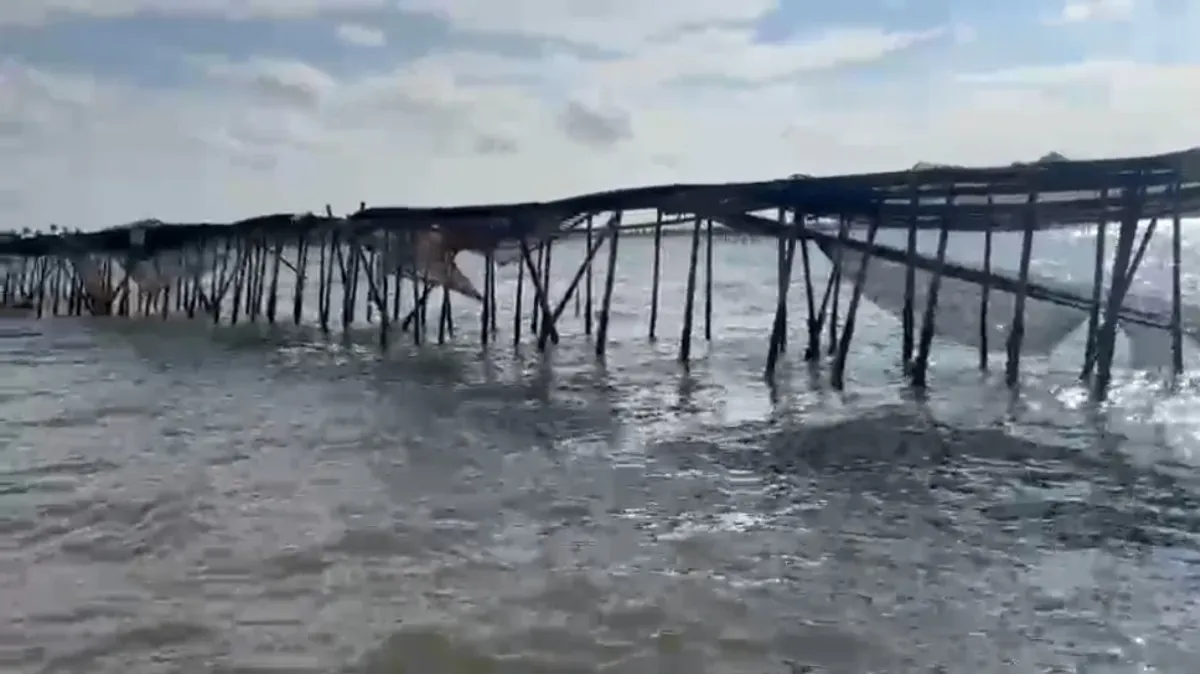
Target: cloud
(733, 54)
(272, 80)
(473, 101)
(35, 12)
(1075, 11)
(362, 36)
(607, 24)
(590, 126)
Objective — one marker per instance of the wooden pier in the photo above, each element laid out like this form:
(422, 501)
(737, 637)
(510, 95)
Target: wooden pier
(397, 257)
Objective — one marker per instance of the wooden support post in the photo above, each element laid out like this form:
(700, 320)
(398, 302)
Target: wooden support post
(656, 280)
(813, 350)
(685, 335)
(1106, 340)
(485, 312)
(217, 281)
(445, 318)
(614, 232)
(1176, 281)
(239, 280)
(273, 297)
(520, 290)
(986, 289)
(420, 299)
(838, 375)
(344, 272)
(547, 277)
(1016, 333)
(584, 267)
(1126, 275)
(545, 330)
(779, 327)
(587, 301)
(836, 282)
(1089, 349)
(535, 279)
(301, 277)
(907, 315)
(376, 287)
(328, 241)
(708, 282)
(920, 368)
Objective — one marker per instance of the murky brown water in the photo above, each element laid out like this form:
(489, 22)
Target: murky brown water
(175, 498)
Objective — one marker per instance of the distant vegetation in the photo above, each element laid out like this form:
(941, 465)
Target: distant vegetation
(1048, 158)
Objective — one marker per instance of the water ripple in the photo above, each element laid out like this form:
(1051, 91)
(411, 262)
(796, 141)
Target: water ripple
(176, 497)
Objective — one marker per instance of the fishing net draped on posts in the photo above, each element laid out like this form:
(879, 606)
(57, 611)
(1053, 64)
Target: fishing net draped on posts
(1057, 307)
(431, 255)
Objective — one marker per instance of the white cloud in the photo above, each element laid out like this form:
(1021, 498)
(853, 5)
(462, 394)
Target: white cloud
(1053, 75)
(608, 24)
(1075, 11)
(33, 12)
(362, 36)
(287, 82)
(732, 54)
(266, 135)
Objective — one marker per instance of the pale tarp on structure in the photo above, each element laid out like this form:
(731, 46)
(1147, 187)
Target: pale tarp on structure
(429, 255)
(958, 305)
(91, 274)
(1047, 324)
(425, 256)
(155, 273)
(150, 275)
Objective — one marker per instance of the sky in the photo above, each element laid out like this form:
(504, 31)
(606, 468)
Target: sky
(213, 110)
